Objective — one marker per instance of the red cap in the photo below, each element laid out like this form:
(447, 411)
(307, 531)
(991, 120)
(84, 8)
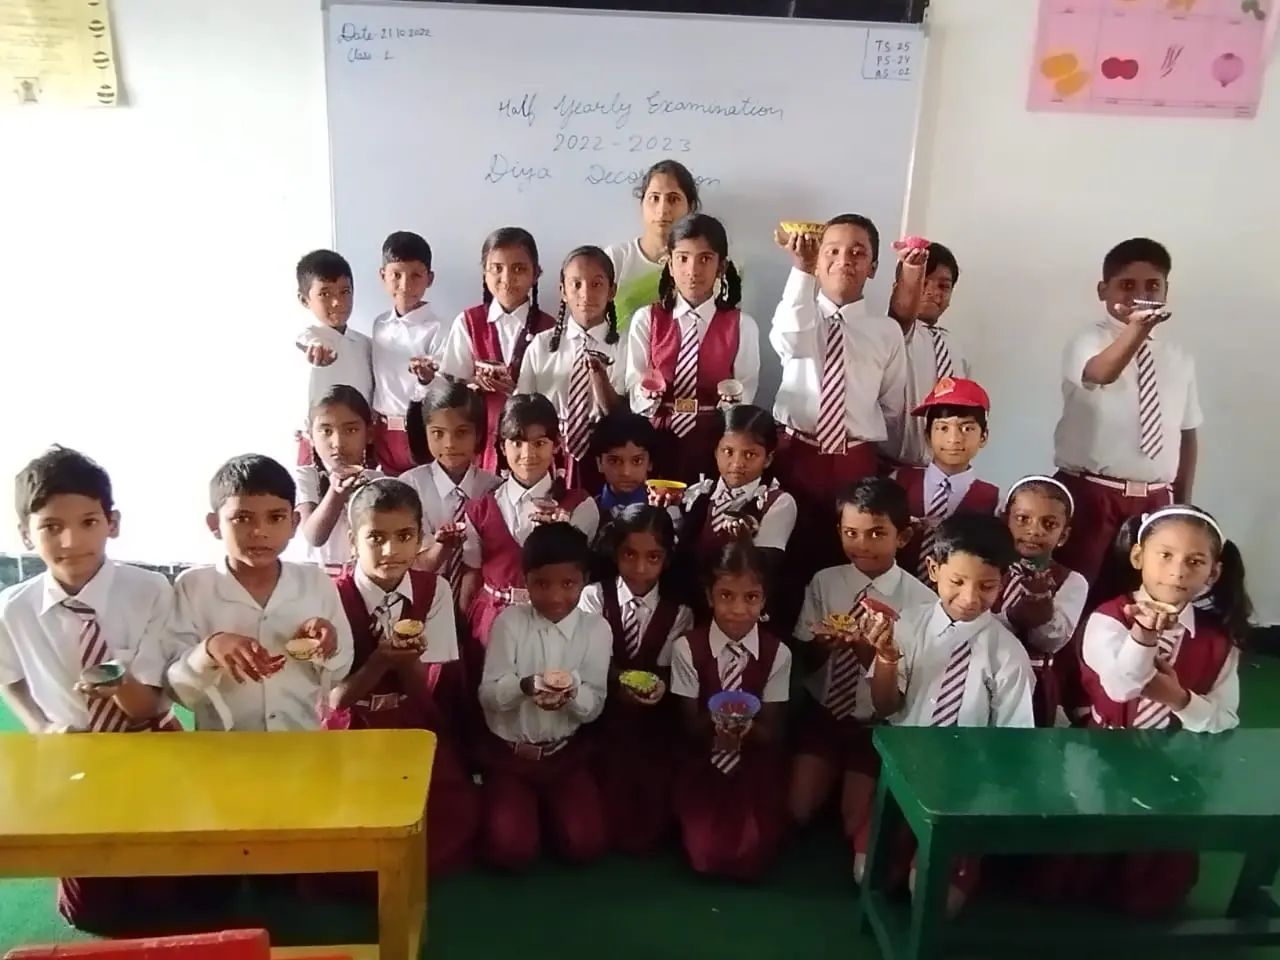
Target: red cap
(954, 392)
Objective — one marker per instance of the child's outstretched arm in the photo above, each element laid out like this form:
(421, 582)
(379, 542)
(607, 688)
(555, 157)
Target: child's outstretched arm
(319, 519)
(887, 677)
(1106, 366)
(363, 680)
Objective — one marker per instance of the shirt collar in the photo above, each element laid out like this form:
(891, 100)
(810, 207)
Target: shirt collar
(744, 492)
(417, 315)
(850, 311)
(649, 601)
(933, 477)
(228, 588)
(496, 312)
(516, 494)
(373, 595)
(565, 627)
(1186, 616)
(719, 641)
(95, 594)
(704, 312)
(942, 627)
(610, 501)
(888, 582)
(574, 331)
(444, 484)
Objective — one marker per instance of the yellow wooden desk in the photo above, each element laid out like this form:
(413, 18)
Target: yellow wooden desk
(184, 804)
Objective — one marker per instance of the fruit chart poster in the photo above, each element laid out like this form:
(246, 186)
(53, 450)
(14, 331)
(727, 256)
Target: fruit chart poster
(1152, 57)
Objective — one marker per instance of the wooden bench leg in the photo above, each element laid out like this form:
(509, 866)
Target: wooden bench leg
(1258, 871)
(929, 901)
(399, 916)
(884, 822)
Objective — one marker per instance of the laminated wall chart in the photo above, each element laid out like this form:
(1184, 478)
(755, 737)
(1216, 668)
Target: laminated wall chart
(56, 52)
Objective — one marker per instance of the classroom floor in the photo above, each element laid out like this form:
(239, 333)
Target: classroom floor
(651, 910)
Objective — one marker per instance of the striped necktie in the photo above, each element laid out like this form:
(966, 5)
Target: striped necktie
(578, 413)
(941, 355)
(1150, 423)
(686, 378)
(1149, 714)
(104, 715)
(631, 627)
(936, 513)
(453, 566)
(846, 671)
(946, 708)
(385, 616)
(726, 761)
(1015, 586)
(831, 433)
(721, 518)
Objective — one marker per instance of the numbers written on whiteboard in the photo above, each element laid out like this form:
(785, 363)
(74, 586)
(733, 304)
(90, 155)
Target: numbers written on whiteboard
(364, 43)
(632, 143)
(888, 57)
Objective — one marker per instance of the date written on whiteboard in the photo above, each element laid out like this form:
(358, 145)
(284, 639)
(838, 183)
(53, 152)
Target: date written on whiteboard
(364, 42)
(888, 57)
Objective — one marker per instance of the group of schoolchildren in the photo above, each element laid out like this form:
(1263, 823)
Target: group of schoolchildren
(581, 500)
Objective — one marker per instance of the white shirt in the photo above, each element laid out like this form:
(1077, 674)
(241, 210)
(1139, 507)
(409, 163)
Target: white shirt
(629, 262)
(40, 638)
(1068, 606)
(439, 494)
(515, 503)
(396, 341)
(684, 677)
(835, 590)
(776, 524)
(210, 600)
(1099, 432)
(523, 643)
(910, 445)
(442, 634)
(337, 550)
(960, 484)
(459, 360)
(549, 373)
(874, 362)
(1124, 666)
(352, 366)
(997, 689)
(746, 365)
(592, 601)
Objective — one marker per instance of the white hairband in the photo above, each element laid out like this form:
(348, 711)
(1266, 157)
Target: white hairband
(1037, 478)
(1149, 518)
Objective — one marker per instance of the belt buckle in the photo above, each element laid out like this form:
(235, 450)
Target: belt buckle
(519, 595)
(1137, 488)
(685, 405)
(395, 423)
(383, 701)
(527, 751)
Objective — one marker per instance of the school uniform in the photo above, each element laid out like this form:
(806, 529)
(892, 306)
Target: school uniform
(562, 376)
(731, 807)
(1117, 445)
(633, 762)
(352, 365)
(535, 760)
(718, 344)
(612, 503)
(933, 496)
(335, 553)
(1045, 642)
(47, 638)
(489, 333)
(838, 721)
(636, 277)
(396, 340)
(210, 600)
(932, 352)
(444, 501)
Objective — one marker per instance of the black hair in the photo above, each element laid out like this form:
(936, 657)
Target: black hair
(942, 411)
(755, 422)
(353, 400)
(555, 543)
(678, 172)
(513, 237)
(620, 428)
(700, 226)
(248, 475)
(402, 246)
(977, 534)
(321, 265)
(1043, 487)
(383, 494)
(601, 259)
(738, 557)
(443, 393)
(858, 220)
(639, 518)
(519, 413)
(879, 496)
(1137, 250)
(58, 471)
(938, 256)
(1228, 599)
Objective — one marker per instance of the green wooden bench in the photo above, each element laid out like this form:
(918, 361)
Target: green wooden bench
(987, 791)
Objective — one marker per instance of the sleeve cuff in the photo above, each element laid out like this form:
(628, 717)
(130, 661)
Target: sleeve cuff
(1196, 715)
(800, 286)
(1135, 660)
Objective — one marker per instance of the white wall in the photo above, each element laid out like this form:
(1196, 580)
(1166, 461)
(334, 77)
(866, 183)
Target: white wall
(146, 255)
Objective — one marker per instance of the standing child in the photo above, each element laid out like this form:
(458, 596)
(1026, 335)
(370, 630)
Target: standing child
(487, 342)
(689, 343)
(1041, 601)
(955, 416)
(261, 642)
(545, 675)
(634, 763)
(730, 795)
(1126, 442)
(341, 452)
(580, 366)
(834, 746)
(407, 343)
(83, 612)
(624, 445)
(393, 681)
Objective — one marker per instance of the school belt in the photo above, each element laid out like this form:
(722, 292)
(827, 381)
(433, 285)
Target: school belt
(377, 702)
(1130, 488)
(1041, 661)
(537, 751)
(812, 438)
(507, 595)
(392, 423)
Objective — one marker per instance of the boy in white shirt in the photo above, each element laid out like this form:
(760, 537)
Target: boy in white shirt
(259, 642)
(408, 341)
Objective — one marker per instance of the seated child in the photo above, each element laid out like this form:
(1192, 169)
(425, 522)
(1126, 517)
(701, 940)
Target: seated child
(624, 445)
(834, 746)
(955, 415)
(341, 451)
(730, 794)
(84, 610)
(260, 641)
(633, 764)
(546, 672)
(951, 663)
(1041, 601)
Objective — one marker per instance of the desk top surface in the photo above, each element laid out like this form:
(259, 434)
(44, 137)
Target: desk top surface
(71, 788)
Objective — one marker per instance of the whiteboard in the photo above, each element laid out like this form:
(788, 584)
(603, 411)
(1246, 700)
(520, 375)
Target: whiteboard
(451, 120)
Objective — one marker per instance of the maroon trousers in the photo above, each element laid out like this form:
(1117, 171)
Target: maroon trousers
(732, 825)
(634, 768)
(391, 447)
(1100, 513)
(845, 744)
(1141, 884)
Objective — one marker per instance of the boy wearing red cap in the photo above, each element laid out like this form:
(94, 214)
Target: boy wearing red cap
(955, 415)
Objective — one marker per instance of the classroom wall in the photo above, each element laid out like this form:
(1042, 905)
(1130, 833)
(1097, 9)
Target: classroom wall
(147, 255)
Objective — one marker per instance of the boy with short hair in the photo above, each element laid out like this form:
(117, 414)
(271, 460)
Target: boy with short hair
(407, 341)
(253, 619)
(1126, 441)
(623, 446)
(955, 417)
